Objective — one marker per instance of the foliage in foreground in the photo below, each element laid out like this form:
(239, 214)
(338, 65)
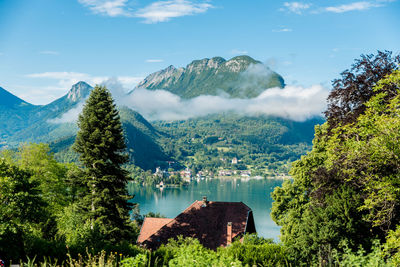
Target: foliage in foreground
(253, 251)
(346, 191)
(47, 208)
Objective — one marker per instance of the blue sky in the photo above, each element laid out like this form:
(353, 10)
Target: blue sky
(47, 45)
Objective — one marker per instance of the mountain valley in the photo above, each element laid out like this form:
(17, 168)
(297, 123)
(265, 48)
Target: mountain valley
(263, 144)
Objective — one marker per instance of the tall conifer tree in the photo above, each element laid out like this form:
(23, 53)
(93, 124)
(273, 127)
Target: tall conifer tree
(101, 145)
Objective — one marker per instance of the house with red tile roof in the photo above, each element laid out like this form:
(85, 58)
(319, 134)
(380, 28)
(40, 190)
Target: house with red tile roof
(213, 223)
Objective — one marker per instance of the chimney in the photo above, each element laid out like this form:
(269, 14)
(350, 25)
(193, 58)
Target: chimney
(205, 202)
(229, 233)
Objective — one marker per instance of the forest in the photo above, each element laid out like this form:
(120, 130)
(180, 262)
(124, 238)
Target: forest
(341, 207)
(266, 146)
(262, 144)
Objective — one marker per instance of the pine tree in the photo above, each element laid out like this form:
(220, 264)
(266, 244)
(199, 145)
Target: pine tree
(101, 145)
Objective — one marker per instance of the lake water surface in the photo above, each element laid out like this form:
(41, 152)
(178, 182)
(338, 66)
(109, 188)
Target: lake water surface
(255, 193)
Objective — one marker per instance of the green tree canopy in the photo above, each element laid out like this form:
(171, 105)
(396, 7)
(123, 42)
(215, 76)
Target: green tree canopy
(355, 87)
(46, 171)
(21, 209)
(347, 189)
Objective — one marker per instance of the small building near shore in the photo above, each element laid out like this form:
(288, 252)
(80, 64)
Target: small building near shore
(213, 223)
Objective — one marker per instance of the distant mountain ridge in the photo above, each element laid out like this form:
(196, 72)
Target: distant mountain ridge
(14, 113)
(241, 76)
(31, 123)
(10, 100)
(24, 122)
(270, 143)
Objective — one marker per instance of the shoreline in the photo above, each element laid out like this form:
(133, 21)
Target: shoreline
(278, 177)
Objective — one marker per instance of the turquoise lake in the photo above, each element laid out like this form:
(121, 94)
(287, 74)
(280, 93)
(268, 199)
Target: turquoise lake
(255, 193)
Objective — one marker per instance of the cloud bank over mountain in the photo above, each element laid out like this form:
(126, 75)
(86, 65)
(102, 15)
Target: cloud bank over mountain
(69, 116)
(292, 102)
(240, 85)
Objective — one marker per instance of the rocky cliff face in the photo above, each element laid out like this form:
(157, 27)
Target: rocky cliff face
(79, 91)
(214, 76)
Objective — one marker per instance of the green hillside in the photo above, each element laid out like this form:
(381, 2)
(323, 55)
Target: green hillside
(140, 138)
(264, 143)
(14, 114)
(24, 122)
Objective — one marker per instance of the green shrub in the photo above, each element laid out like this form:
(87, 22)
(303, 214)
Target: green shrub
(360, 258)
(392, 246)
(140, 260)
(257, 251)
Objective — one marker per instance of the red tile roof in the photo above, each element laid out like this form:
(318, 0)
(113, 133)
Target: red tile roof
(151, 226)
(207, 223)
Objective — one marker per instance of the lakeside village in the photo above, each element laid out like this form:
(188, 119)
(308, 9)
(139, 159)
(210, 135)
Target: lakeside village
(162, 178)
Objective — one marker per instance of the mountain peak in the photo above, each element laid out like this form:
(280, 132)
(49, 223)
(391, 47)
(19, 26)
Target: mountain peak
(213, 77)
(79, 91)
(205, 63)
(245, 58)
(240, 63)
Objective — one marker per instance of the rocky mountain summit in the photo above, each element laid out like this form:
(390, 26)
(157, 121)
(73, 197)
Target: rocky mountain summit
(241, 76)
(79, 91)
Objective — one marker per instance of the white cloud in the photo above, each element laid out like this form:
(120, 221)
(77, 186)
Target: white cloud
(282, 30)
(356, 6)
(129, 81)
(69, 116)
(59, 75)
(65, 80)
(159, 11)
(162, 11)
(38, 95)
(295, 7)
(112, 8)
(154, 60)
(292, 102)
(49, 52)
(239, 52)
(299, 7)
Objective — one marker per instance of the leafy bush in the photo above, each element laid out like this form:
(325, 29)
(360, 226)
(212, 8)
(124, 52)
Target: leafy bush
(347, 187)
(257, 251)
(392, 246)
(140, 260)
(362, 259)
